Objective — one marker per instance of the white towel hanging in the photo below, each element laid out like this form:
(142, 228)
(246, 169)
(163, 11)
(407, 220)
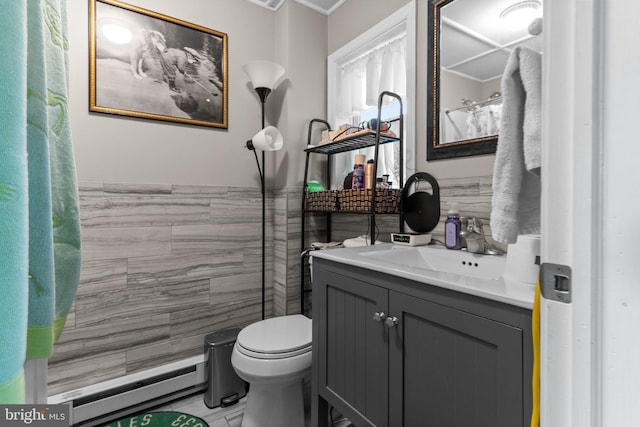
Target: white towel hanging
(515, 207)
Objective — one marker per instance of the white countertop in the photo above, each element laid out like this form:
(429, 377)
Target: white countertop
(498, 289)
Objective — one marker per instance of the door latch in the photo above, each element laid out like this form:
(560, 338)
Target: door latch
(555, 282)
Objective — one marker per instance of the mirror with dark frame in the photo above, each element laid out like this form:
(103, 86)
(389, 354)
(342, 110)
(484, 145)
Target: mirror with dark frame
(471, 42)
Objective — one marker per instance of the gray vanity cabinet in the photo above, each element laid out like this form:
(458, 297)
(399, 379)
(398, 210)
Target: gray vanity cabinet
(351, 357)
(439, 358)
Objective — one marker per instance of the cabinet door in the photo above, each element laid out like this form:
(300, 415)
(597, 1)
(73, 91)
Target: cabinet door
(352, 348)
(450, 368)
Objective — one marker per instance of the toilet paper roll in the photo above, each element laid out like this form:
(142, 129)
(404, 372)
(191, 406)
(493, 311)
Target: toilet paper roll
(523, 259)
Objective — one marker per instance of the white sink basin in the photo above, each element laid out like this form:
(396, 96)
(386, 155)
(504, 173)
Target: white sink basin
(485, 276)
(438, 258)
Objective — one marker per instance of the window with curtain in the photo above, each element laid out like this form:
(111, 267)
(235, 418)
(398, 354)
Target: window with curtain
(382, 59)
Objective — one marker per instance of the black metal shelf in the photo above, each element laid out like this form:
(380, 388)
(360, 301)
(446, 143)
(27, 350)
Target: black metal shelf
(352, 142)
(355, 141)
(318, 211)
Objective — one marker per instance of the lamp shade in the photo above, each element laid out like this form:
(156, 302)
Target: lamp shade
(263, 73)
(268, 139)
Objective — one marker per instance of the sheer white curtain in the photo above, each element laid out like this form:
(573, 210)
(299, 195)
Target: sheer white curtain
(361, 80)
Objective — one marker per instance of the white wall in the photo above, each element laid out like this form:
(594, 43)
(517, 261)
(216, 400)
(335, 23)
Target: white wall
(112, 148)
(302, 49)
(454, 87)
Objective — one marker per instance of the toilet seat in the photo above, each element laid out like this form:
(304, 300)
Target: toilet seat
(276, 338)
(284, 355)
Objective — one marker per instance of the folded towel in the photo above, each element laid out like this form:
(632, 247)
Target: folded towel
(515, 207)
(13, 200)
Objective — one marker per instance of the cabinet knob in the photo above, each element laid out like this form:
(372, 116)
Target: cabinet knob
(391, 321)
(379, 316)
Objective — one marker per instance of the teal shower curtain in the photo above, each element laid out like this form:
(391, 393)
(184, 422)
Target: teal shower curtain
(39, 220)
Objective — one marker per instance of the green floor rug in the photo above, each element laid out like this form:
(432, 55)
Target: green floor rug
(159, 419)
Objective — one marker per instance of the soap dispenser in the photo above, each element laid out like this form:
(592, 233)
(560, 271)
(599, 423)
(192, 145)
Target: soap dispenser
(452, 227)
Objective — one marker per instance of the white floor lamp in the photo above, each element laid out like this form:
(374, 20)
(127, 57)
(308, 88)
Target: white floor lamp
(264, 76)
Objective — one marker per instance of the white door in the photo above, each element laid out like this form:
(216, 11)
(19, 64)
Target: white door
(591, 171)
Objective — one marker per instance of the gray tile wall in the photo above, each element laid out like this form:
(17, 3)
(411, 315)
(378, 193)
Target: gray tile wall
(165, 265)
(472, 195)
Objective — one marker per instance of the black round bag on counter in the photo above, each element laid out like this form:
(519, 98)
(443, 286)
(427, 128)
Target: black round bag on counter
(421, 209)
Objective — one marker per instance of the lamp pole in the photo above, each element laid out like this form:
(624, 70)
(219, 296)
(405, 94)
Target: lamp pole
(263, 92)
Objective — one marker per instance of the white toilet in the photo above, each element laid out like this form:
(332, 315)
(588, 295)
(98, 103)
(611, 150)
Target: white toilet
(274, 356)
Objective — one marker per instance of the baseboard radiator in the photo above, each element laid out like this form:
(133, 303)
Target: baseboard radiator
(128, 396)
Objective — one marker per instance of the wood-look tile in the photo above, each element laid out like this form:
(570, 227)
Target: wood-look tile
(102, 275)
(70, 323)
(294, 199)
(175, 268)
(135, 188)
(280, 202)
(230, 289)
(239, 213)
(210, 319)
(142, 299)
(486, 185)
(280, 257)
(131, 242)
(203, 238)
(459, 186)
(208, 191)
(143, 211)
(280, 298)
(245, 193)
(161, 353)
(103, 337)
(90, 188)
(478, 206)
(83, 371)
(293, 300)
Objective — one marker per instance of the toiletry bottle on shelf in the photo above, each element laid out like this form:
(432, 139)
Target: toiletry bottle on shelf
(452, 228)
(368, 174)
(358, 172)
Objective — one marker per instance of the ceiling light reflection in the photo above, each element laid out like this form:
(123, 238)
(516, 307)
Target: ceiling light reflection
(521, 14)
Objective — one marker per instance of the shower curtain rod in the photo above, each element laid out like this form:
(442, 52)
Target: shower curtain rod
(474, 104)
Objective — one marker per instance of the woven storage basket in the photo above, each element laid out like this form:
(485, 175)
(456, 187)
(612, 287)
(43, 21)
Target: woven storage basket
(323, 201)
(359, 200)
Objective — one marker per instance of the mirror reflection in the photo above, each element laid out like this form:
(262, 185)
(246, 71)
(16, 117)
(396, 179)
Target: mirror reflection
(472, 40)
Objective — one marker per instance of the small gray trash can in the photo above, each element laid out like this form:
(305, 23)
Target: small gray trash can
(224, 386)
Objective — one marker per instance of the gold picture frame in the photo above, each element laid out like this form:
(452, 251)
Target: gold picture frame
(148, 65)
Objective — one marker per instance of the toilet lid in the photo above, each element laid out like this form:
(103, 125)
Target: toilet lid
(277, 336)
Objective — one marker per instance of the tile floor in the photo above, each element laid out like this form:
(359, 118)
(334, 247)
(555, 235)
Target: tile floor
(223, 417)
(218, 417)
